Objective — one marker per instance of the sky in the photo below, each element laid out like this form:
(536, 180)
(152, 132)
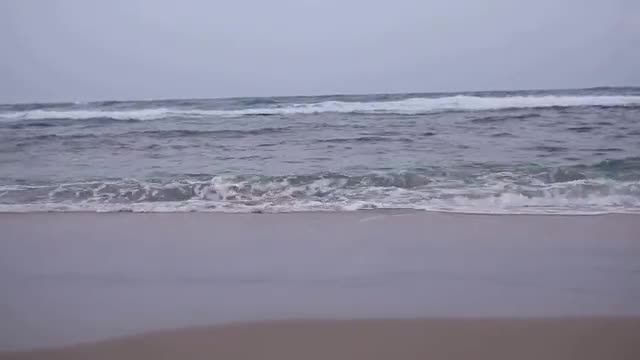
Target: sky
(79, 50)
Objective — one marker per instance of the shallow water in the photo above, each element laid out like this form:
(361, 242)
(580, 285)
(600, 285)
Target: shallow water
(572, 151)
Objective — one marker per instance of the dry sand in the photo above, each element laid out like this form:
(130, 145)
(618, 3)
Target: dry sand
(583, 339)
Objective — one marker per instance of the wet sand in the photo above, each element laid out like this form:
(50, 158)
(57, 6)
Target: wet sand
(71, 278)
(564, 339)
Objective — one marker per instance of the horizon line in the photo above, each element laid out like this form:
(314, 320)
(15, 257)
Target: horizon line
(322, 95)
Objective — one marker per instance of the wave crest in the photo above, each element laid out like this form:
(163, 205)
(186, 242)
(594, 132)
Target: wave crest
(410, 106)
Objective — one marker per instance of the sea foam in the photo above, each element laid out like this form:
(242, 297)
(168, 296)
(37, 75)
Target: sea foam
(417, 105)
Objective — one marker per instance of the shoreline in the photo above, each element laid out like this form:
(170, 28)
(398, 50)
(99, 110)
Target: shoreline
(392, 211)
(567, 338)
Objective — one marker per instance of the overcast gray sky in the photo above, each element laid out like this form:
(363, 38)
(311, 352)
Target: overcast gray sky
(141, 49)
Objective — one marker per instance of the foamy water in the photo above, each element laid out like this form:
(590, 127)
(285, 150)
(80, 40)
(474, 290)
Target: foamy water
(500, 152)
(418, 105)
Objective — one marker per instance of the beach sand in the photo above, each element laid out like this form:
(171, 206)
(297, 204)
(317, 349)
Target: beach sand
(583, 339)
(78, 278)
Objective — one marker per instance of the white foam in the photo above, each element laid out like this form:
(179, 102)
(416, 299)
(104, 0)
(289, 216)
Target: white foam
(406, 106)
(460, 102)
(141, 114)
(278, 197)
(493, 193)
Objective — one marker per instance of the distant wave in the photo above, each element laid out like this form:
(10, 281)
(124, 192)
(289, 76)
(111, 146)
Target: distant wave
(409, 106)
(137, 114)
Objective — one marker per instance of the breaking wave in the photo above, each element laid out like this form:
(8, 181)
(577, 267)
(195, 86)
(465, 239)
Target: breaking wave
(410, 106)
(550, 191)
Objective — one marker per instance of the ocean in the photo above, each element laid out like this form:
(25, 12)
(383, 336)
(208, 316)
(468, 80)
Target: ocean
(560, 151)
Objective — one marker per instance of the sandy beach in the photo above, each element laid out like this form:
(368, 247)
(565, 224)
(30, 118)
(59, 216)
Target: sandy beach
(584, 339)
(84, 278)
(320, 180)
